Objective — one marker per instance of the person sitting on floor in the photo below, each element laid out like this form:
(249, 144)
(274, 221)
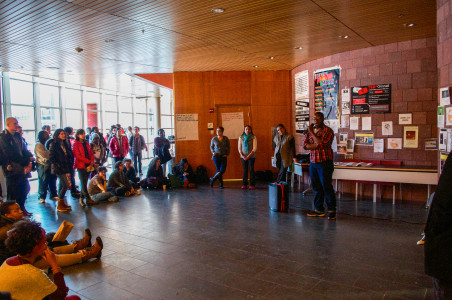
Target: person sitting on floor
(185, 173)
(19, 275)
(66, 255)
(155, 178)
(97, 187)
(118, 181)
(131, 174)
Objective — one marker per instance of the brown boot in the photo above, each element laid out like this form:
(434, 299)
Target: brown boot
(90, 202)
(62, 206)
(84, 242)
(94, 251)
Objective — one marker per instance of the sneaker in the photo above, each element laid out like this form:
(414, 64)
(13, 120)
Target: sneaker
(331, 215)
(127, 194)
(243, 187)
(421, 241)
(42, 200)
(113, 199)
(316, 213)
(252, 187)
(54, 198)
(82, 202)
(91, 202)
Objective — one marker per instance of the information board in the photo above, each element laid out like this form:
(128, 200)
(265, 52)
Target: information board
(371, 99)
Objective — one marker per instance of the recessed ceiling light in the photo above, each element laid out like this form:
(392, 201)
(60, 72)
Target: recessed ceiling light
(53, 68)
(346, 36)
(271, 57)
(217, 10)
(299, 48)
(256, 66)
(411, 25)
(109, 41)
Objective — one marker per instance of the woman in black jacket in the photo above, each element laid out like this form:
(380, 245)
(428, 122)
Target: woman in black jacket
(155, 178)
(60, 159)
(185, 173)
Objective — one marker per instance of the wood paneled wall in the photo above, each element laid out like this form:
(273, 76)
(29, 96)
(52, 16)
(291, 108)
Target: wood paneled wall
(268, 93)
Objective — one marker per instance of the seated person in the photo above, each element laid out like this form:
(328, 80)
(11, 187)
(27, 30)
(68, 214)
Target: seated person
(97, 187)
(185, 173)
(155, 178)
(66, 255)
(130, 173)
(118, 181)
(19, 275)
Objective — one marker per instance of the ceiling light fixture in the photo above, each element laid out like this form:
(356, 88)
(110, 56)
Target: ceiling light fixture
(53, 68)
(78, 49)
(217, 10)
(411, 25)
(299, 48)
(256, 66)
(109, 41)
(271, 57)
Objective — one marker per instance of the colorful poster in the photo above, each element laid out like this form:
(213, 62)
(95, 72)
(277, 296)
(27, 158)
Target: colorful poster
(364, 139)
(410, 136)
(449, 116)
(371, 99)
(326, 91)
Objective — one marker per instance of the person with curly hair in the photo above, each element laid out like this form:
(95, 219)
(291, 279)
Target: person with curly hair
(23, 280)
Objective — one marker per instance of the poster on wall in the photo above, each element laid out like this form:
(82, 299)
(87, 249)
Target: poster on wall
(326, 92)
(442, 139)
(364, 139)
(440, 116)
(448, 116)
(233, 124)
(302, 85)
(386, 128)
(187, 127)
(345, 121)
(394, 143)
(431, 144)
(410, 136)
(379, 145)
(301, 116)
(405, 119)
(345, 102)
(444, 96)
(371, 99)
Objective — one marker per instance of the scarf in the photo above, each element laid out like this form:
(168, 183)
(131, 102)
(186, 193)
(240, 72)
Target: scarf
(246, 138)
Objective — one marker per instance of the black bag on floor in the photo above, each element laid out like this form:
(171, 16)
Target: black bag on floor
(278, 196)
(201, 175)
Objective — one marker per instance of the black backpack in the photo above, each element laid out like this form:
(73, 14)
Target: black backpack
(201, 175)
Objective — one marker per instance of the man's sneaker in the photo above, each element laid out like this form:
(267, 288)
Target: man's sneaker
(243, 187)
(113, 199)
(252, 187)
(422, 240)
(316, 213)
(42, 200)
(54, 198)
(331, 215)
(127, 194)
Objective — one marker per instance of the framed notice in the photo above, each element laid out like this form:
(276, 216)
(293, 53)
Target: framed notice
(301, 116)
(410, 136)
(371, 99)
(364, 139)
(431, 144)
(302, 85)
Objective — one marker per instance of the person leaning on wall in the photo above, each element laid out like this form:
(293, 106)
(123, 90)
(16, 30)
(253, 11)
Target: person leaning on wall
(220, 148)
(247, 146)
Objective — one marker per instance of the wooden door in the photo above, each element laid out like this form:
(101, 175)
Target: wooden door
(234, 169)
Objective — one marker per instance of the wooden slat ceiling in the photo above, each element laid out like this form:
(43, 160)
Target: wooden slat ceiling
(164, 36)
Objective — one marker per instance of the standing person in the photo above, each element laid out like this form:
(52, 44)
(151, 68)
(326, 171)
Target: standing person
(21, 133)
(137, 144)
(70, 141)
(110, 136)
(88, 131)
(129, 132)
(48, 129)
(61, 165)
(99, 151)
(84, 163)
(220, 148)
(247, 148)
(284, 151)
(318, 141)
(119, 146)
(17, 163)
(161, 149)
(438, 235)
(46, 180)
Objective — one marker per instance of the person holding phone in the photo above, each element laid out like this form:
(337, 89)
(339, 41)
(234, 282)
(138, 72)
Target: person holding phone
(318, 141)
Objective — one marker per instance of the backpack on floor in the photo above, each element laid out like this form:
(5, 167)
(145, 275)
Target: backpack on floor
(201, 175)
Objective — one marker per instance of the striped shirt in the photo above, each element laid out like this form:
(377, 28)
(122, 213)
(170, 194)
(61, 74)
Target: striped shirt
(323, 151)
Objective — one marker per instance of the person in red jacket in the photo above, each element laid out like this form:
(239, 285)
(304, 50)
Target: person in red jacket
(119, 146)
(84, 163)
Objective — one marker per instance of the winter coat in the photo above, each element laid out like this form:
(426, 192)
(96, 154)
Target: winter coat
(14, 152)
(81, 162)
(60, 162)
(115, 151)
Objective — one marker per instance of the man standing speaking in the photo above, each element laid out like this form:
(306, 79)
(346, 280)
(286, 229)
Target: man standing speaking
(318, 141)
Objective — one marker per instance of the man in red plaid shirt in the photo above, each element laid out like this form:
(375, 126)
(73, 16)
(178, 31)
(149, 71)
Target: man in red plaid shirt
(318, 141)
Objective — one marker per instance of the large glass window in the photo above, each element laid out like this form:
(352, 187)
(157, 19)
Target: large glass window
(126, 120)
(49, 95)
(21, 92)
(73, 98)
(25, 115)
(74, 118)
(109, 102)
(125, 104)
(110, 118)
(51, 117)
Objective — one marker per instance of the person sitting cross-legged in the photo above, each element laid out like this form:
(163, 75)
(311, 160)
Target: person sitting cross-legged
(131, 173)
(118, 181)
(97, 187)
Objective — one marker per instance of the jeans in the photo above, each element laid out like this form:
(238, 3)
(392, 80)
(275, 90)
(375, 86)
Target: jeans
(248, 164)
(220, 164)
(73, 188)
(83, 176)
(101, 196)
(17, 188)
(64, 185)
(137, 161)
(282, 171)
(321, 174)
(46, 181)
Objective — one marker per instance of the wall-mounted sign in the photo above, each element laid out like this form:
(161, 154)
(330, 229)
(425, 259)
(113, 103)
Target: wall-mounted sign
(371, 99)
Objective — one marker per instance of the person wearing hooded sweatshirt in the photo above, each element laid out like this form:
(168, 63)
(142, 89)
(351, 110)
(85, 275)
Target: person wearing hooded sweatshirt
(46, 180)
(60, 159)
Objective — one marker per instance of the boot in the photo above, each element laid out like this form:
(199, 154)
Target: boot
(84, 242)
(221, 182)
(62, 206)
(215, 177)
(82, 203)
(90, 202)
(94, 251)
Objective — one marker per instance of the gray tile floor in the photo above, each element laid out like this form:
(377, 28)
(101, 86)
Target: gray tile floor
(225, 244)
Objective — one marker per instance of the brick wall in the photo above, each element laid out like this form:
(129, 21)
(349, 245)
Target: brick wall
(444, 31)
(410, 67)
